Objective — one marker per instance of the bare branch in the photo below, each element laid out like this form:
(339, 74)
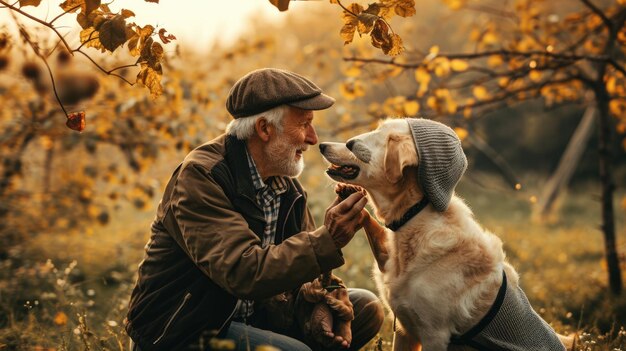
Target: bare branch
(26, 37)
(44, 23)
(607, 22)
(64, 13)
(617, 66)
(109, 72)
(470, 56)
(345, 9)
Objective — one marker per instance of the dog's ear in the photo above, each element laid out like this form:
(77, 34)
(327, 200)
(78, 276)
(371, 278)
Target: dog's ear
(399, 154)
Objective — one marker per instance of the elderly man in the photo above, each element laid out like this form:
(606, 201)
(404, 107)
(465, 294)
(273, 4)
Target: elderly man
(233, 238)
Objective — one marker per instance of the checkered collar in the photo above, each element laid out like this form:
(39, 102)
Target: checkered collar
(278, 185)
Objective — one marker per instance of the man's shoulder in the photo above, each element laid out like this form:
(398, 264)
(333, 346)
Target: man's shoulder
(207, 155)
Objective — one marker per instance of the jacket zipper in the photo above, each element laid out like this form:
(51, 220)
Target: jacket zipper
(282, 234)
(169, 322)
(232, 314)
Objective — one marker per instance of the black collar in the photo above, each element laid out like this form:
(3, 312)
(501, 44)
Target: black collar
(468, 337)
(410, 213)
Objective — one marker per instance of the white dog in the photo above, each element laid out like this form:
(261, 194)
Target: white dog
(443, 276)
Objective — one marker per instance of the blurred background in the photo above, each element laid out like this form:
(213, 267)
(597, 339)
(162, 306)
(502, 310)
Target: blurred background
(75, 208)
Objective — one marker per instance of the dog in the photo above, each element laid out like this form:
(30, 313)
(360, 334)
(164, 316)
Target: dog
(442, 275)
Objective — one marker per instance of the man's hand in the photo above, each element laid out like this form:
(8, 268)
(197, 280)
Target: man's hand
(344, 218)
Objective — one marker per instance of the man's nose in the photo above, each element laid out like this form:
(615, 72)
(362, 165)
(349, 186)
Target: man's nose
(311, 136)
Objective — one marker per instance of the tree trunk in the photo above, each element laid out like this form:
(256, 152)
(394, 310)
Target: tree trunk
(608, 224)
(567, 165)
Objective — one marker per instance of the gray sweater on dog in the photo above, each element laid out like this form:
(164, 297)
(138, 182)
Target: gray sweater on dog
(511, 325)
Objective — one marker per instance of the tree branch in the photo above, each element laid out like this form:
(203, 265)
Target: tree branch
(43, 23)
(26, 37)
(109, 72)
(607, 22)
(484, 54)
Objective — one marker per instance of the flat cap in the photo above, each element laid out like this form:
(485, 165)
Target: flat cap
(266, 88)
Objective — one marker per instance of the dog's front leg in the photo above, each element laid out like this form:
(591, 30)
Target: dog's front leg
(377, 237)
(402, 341)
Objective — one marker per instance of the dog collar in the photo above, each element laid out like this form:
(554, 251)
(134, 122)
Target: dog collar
(410, 213)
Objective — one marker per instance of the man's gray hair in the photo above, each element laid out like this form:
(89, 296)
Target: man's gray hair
(243, 127)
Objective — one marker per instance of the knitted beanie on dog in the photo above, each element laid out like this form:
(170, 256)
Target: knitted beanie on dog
(441, 160)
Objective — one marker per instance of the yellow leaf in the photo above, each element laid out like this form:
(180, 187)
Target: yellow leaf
(353, 71)
(495, 61)
(422, 75)
(432, 102)
(347, 33)
(459, 65)
(351, 89)
(396, 46)
(127, 13)
(366, 22)
(611, 84)
(282, 5)
(29, 3)
(624, 198)
(60, 319)
(91, 38)
(434, 50)
(411, 108)
(467, 112)
(151, 78)
(266, 348)
(454, 4)
(405, 8)
(617, 108)
(72, 5)
(462, 133)
(480, 92)
(490, 38)
(46, 142)
(535, 75)
(442, 66)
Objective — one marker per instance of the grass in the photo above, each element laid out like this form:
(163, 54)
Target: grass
(64, 291)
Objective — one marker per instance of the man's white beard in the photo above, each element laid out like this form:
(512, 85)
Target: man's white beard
(281, 153)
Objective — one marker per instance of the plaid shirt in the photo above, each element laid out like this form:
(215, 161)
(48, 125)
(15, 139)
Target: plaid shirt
(268, 197)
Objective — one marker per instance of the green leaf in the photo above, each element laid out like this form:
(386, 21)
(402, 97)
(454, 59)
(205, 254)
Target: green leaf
(113, 33)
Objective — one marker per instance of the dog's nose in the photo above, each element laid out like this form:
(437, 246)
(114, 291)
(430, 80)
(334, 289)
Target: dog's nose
(322, 147)
(350, 144)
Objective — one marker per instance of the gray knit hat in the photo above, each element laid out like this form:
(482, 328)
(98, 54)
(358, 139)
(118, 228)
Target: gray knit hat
(441, 160)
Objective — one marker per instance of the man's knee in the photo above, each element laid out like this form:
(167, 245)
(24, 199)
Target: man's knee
(369, 312)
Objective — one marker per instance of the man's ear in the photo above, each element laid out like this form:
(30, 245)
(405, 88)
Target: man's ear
(400, 153)
(262, 128)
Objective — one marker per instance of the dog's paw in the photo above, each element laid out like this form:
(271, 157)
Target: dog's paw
(344, 190)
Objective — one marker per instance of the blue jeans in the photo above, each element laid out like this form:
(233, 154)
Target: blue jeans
(368, 318)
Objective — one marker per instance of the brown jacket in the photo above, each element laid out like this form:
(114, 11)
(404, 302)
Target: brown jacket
(205, 249)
